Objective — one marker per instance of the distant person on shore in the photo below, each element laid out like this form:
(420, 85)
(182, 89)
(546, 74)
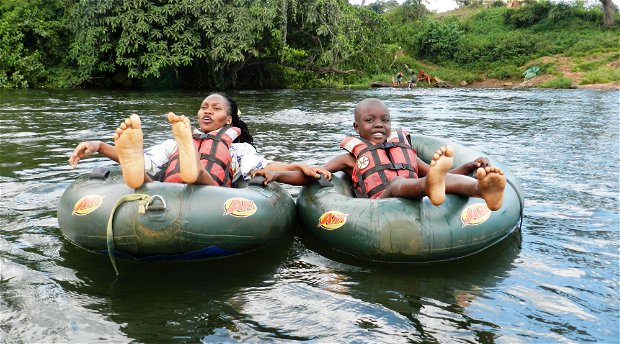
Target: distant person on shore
(382, 163)
(399, 77)
(217, 153)
(413, 80)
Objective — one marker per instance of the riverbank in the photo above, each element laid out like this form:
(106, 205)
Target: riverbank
(536, 82)
(597, 70)
(565, 72)
(507, 84)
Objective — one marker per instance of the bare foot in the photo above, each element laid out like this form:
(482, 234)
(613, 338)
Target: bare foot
(128, 143)
(188, 157)
(491, 183)
(436, 177)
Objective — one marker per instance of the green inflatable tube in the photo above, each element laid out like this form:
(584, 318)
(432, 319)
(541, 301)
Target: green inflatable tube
(171, 221)
(402, 230)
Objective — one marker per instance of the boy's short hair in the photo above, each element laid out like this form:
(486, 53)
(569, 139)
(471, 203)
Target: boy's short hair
(365, 101)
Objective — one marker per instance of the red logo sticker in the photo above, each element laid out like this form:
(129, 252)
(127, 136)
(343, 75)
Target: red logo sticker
(332, 220)
(239, 207)
(475, 214)
(87, 204)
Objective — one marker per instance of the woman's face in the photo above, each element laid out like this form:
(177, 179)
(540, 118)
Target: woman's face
(213, 113)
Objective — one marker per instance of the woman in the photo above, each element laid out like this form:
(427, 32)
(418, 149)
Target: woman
(193, 157)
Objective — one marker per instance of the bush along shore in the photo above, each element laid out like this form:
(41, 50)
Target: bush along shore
(315, 43)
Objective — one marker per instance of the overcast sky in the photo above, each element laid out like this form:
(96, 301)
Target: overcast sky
(446, 5)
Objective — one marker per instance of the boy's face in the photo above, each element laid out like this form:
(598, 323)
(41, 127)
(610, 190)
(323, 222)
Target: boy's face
(213, 113)
(372, 121)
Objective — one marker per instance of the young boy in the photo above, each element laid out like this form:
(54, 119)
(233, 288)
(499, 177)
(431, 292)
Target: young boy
(382, 164)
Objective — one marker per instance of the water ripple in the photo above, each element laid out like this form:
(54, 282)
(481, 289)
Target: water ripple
(558, 284)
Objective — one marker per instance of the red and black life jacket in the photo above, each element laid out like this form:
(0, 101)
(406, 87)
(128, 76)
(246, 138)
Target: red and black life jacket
(377, 165)
(214, 156)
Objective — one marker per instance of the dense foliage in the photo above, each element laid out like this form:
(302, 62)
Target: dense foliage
(283, 43)
(33, 40)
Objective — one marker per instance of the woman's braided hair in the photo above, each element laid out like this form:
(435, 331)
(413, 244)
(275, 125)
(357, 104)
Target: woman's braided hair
(233, 111)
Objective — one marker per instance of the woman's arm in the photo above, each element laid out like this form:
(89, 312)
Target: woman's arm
(310, 171)
(88, 148)
(343, 162)
(287, 177)
(155, 157)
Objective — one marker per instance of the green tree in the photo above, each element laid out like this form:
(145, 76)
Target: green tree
(214, 43)
(609, 11)
(438, 40)
(33, 41)
(144, 39)
(407, 13)
(333, 34)
(382, 6)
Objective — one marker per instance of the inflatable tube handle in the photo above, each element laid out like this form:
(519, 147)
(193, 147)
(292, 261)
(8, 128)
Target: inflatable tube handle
(100, 172)
(521, 202)
(150, 206)
(324, 183)
(257, 181)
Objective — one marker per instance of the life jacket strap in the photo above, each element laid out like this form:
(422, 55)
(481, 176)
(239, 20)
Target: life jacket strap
(390, 166)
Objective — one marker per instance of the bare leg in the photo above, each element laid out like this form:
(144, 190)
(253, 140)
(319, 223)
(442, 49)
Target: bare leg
(489, 185)
(405, 187)
(436, 177)
(128, 143)
(188, 156)
(433, 185)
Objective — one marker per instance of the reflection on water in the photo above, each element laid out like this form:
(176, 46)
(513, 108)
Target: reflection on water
(558, 282)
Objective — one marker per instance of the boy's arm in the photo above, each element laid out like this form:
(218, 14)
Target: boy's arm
(471, 166)
(344, 162)
(464, 169)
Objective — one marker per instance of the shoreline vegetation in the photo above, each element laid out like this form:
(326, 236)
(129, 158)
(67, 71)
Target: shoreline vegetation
(310, 44)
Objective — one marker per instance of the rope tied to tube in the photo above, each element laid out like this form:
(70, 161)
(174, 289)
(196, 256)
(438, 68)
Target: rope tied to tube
(144, 201)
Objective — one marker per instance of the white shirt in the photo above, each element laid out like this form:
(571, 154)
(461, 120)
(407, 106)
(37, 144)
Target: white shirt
(244, 158)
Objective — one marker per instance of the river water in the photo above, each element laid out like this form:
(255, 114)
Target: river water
(557, 282)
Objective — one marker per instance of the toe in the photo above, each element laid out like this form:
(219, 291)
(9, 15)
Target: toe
(170, 117)
(449, 151)
(134, 121)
